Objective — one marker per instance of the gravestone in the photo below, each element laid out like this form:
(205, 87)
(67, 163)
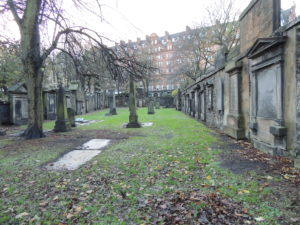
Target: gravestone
(62, 123)
(18, 104)
(157, 104)
(133, 117)
(233, 100)
(151, 106)
(112, 106)
(266, 94)
(71, 116)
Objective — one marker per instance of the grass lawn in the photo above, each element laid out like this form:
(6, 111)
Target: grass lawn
(166, 174)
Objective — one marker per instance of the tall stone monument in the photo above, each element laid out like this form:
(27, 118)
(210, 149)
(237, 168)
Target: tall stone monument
(62, 123)
(133, 117)
(112, 104)
(151, 106)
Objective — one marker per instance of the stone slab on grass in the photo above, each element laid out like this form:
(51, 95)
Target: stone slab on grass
(95, 144)
(147, 124)
(73, 160)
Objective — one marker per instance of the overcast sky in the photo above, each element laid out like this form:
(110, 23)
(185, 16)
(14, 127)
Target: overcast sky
(129, 19)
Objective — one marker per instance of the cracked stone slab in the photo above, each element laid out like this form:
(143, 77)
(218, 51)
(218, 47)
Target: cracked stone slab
(73, 160)
(95, 144)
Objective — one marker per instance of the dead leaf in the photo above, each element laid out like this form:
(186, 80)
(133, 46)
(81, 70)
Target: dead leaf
(22, 215)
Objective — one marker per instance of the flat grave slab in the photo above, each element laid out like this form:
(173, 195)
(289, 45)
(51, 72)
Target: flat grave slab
(87, 122)
(73, 160)
(147, 124)
(95, 144)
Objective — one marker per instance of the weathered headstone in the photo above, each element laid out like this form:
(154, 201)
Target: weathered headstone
(157, 103)
(112, 106)
(133, 117)
(71, 116)
(151, 106)
(62, 123)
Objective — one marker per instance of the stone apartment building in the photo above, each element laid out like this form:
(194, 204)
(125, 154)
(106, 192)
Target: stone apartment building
(255, 93)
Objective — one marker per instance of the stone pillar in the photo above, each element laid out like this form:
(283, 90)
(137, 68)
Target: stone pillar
(235, 121)
(179, 103)
(151, 106)
(62, 123)
(196, 102)
(112, 104)
(133, 117)
(297, 151)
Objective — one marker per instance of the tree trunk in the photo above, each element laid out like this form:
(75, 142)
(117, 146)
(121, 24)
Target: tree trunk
(32, 63)
(35, 102)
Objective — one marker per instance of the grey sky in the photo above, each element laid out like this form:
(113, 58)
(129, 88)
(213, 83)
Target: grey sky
(129, 19)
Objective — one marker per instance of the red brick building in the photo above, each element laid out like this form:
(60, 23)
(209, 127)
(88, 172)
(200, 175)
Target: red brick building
(163, 53)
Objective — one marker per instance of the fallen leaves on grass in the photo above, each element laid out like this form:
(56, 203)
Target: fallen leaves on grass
(278, 164)
(195, 208)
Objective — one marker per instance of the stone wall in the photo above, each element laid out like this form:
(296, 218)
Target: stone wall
(256, 95)
(298, 91)
(262, 18)
(204, 100)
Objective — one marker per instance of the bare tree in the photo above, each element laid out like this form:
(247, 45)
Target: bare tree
(35, 19)
(220, 29)
(195, 54)
(222, 19)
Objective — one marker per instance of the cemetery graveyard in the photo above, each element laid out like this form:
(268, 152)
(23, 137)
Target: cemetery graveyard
(142, 175)
(196, 127)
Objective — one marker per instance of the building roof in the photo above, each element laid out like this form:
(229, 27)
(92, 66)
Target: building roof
(18, 88)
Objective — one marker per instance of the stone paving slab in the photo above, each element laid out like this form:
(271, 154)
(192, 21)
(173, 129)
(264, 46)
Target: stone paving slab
(88, 122)
(95, 144)
(73, 160)
(146, 124)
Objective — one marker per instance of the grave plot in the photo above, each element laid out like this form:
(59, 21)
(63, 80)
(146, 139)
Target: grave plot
(76, 158)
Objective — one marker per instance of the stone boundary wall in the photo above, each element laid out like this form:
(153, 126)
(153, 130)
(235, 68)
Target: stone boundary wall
(255, 95)
(298, 90)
